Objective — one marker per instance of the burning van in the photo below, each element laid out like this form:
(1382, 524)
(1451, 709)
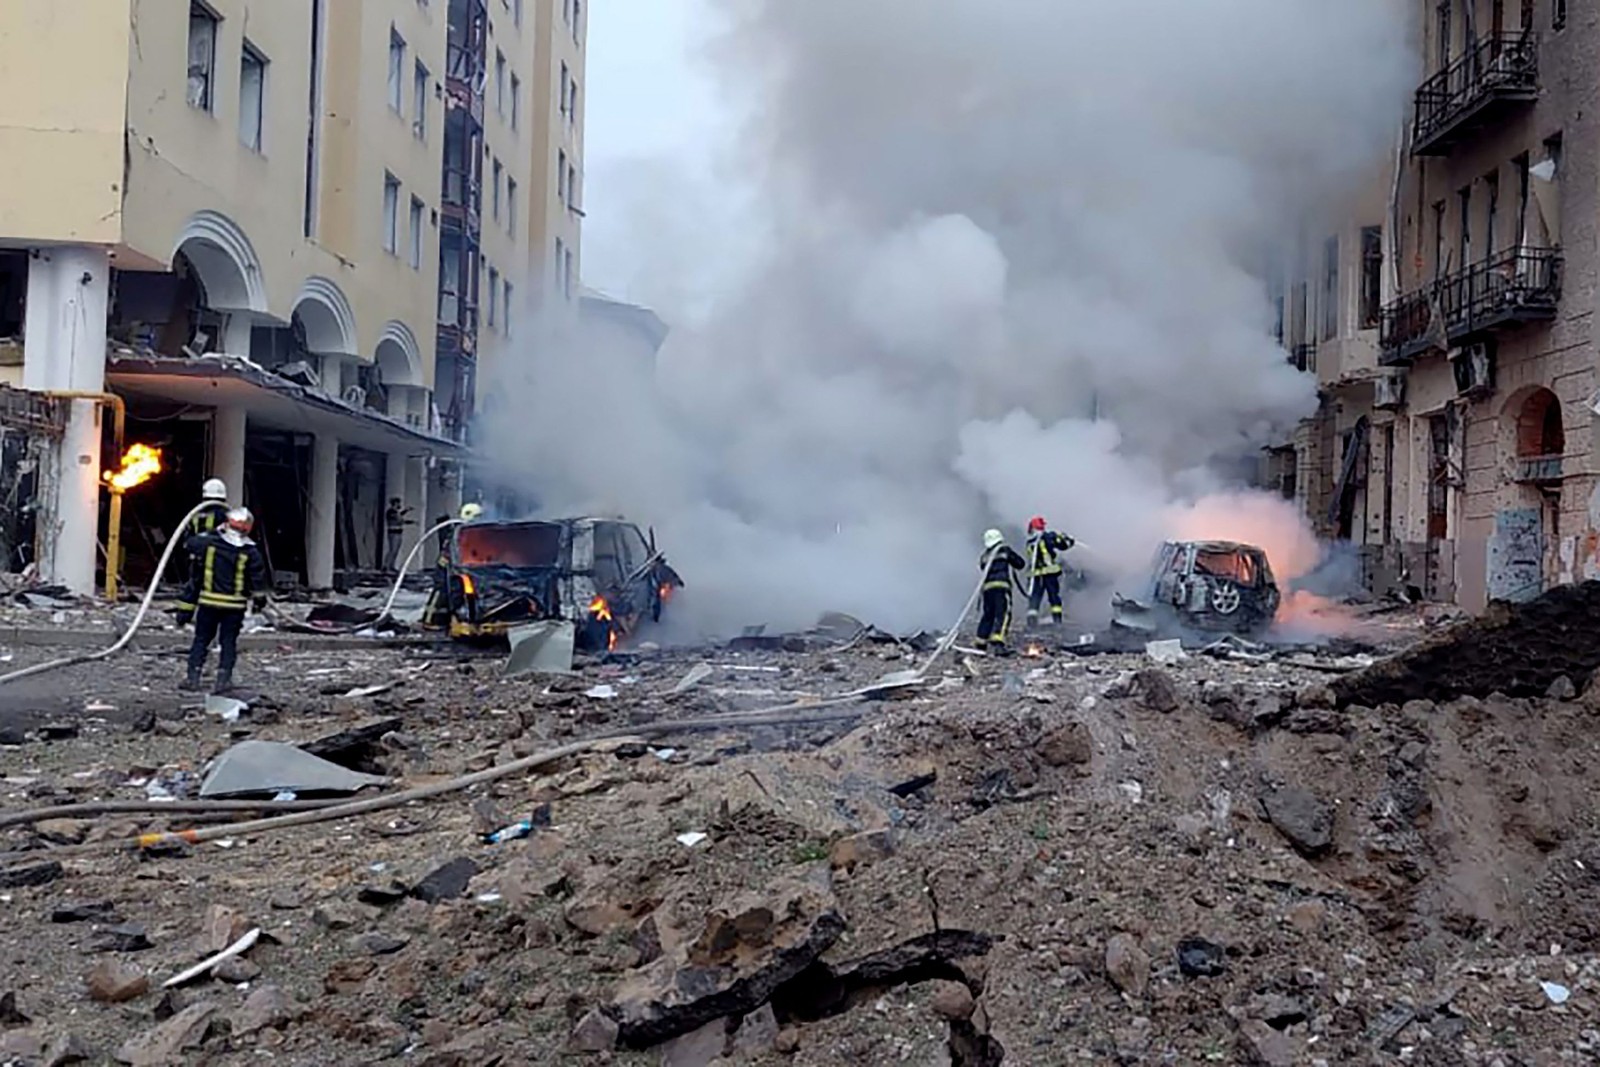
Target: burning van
(1204, 585)
(603, 575)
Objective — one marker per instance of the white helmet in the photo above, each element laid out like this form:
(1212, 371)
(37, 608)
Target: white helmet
(993, 539)
(470, 512)
(214, 489)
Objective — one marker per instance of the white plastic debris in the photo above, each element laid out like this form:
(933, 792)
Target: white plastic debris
(238, 948)
(691, 839)
(695, 675)
(663, 754)
(1132, 790)
(1558, 994)
(1166, 653)
(601, 692)
(225, 708)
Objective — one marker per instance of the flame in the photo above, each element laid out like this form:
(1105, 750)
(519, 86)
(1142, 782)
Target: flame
(666, 592)
(611, 640)
(600, 609)
(468, 586)
(1033, 650)
(139, 464)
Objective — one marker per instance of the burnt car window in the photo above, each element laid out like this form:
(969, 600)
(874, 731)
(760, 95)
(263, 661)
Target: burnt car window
(509, 545)
(610, 566)
(637, 550)
(1235, 566)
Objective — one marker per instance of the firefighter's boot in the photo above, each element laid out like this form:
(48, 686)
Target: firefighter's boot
(191, 681)
(224, 682)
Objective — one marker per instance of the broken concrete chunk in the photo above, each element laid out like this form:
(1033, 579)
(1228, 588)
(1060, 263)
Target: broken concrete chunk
(235, 970)
(84, 911)
(1127, 965)
(953, 1000)
(112, 982)
(165, 1044)
(267, 1007)
(28, 875)
(446, 882)
(1155, 689)
(1302, 818)
(1199, 958)
(12, 1016)
(595, 1032)
(377, 943)
(66, 1050)
(348, 976)
(1070, 744)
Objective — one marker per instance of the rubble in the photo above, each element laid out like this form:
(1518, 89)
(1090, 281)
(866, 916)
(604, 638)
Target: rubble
(113, 982)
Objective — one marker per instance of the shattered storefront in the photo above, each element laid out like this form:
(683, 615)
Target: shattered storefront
(30, 424)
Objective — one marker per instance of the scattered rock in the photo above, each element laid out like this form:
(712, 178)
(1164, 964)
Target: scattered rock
(1199, 958)
(12, 736)
(112, 982)
(1302, 818)
(20, 1047)
(1307, 916)
(1260, 1044)
(28, 875)
(12, 1016)
(446, 882)
(1561, 689)
(236, 970)
(165, 1044)
(1127, 965)
(754, 1035)
(1070, 744)
(787, 1042)
(385, 894)
(698, 1048)
(952, 1000)
(286, 900)
(61, 731)
(377, 943)
(62, 831)
(334, 916)
(124, 937)
(66, 1050)
(595, 1032)
(348, 976)
(1155, 689)
(266, 1008)
(1316, 697)
(861, 849)
(221, 927)
(85, 911)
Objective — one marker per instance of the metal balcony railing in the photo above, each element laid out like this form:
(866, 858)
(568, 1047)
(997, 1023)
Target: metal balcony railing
(1505, 290)
(1537, 469)
(1498, 73)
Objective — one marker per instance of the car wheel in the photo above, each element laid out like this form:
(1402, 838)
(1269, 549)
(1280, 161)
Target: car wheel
(1225, 598)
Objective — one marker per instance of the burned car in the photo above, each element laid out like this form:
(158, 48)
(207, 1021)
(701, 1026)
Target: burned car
(603, 575)
(1203, 585)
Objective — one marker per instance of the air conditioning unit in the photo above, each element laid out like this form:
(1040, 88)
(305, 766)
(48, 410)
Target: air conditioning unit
(1474, 369)
(1389, 391)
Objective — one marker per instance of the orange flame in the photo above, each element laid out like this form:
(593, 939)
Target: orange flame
(666, 592)
(139, 464)
(468, 586)
(1033, 650)
(600, 609)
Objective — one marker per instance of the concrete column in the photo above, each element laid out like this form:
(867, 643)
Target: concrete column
(322, 516)
(64, 348)
(227, 450)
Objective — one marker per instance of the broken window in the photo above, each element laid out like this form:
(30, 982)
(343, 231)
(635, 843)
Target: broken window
(1236, 566)
(1330, 289)
(577, 20)
(397, 67)
(511, 205)
(516, 101)
(1371, 276)
(500, 83)
(1438, 239)
(494, 295)
(252, 96)
(419, 89)
(416, 234)
(202, 56)
(566, 85)
(532, 544)
(610, 567)
(391, 213)
(516, 11)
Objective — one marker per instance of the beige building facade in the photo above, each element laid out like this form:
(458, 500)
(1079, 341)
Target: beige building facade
(1455, 441)
(282, 232)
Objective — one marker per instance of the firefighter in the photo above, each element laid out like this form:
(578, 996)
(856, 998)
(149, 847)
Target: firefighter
(230, 576)
(1044, 569)
(998, 562)
(437, 610)
(212, 514)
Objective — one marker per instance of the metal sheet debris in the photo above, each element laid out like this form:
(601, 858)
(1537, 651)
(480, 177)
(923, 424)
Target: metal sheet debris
(269, 767)
(693, 677)
(225, 708)
(543, 647)
(1167, 652)
(601, 692)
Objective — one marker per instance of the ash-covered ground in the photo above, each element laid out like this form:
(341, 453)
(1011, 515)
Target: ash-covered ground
(1051, 860)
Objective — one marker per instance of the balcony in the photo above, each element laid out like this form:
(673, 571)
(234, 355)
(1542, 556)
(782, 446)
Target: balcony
(1497, 77)
(1496, 294)
(1537, 470)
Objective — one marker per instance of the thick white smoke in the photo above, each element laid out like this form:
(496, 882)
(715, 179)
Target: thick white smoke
(1011, 265)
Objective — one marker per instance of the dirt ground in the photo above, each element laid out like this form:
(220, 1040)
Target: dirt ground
(1044, 860)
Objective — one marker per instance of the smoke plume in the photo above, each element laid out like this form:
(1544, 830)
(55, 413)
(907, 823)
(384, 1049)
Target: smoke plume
(1010, 262)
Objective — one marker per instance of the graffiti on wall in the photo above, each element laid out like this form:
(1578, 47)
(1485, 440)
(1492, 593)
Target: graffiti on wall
(1516, 555)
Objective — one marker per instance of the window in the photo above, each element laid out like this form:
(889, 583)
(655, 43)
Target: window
(416, 234)
(566, 11)
(516, 101)
(1330, 289)
(500, 83)
(566, 85)
(561, 175)
(499, 171)
(202, 56)
(577, 19)
(516, 12)
(419, 90)
(1464, 218)
(1521, 165)
(572, 102)
(397, 66)
(1371, 276)
(511, 205)
(391, 212)
(1491, 189)
(1438, 239)
(252, 96)
(1442, 34)
(1558, 14)
(308, 222)
(567, 274)
(505, 314)
(494, 295)
(572, 187)
(561, 258)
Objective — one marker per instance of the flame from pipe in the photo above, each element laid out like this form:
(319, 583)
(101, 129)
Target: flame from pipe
(139, 464)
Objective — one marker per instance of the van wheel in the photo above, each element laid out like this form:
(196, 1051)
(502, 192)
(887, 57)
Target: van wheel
(1225, 598)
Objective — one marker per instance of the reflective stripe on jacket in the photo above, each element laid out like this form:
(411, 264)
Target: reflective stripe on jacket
(228, 575)
(1043, 549)
(998, 566)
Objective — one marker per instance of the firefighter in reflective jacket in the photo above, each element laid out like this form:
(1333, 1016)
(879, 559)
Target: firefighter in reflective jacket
(230, 575)
(998, 562)
(213, 512)
(1044, 569)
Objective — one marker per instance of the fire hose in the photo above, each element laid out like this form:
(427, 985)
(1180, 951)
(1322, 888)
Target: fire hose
(138, 619)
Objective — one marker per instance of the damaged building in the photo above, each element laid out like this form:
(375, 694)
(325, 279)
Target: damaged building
(1450, 323)
(280, 239)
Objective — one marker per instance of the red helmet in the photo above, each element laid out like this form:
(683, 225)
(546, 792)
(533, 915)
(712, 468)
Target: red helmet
(1036, 524)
